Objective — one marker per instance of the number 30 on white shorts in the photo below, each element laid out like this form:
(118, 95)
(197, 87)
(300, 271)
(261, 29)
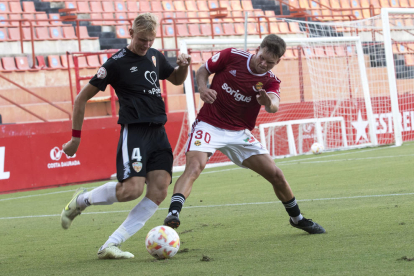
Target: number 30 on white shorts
(237, 145)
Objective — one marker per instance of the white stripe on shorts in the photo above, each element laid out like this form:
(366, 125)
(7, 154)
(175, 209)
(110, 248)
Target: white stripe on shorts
(125, 156)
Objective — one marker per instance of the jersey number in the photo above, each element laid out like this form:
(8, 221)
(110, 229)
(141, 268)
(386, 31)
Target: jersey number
(199, 135)
(3, 174)
(136, 154)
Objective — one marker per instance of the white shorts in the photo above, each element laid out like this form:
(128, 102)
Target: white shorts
(237, 145)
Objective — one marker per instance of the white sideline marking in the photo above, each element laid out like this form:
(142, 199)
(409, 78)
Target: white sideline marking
(291, 162)
(221, 205)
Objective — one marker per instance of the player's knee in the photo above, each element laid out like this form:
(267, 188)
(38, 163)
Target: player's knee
(194, 170)
(278, 179)
(129, 190)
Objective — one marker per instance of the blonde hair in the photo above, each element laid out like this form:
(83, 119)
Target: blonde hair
(145, 22)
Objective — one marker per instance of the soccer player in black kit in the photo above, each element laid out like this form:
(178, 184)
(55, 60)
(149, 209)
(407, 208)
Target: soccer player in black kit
(144, 154)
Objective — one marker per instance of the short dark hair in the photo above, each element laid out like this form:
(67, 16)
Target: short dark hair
(274, 44)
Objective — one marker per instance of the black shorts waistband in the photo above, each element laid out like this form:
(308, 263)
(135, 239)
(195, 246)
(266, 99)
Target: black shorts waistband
(149, 124)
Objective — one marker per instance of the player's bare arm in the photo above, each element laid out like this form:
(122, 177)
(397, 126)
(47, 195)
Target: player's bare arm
(180, 72)
(87, 92)
(269, 100)
(207, 95)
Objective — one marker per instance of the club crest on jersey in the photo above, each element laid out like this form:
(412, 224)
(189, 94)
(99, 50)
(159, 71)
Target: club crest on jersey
(137, 166)
(257, 86)
(197, 143)
(215, 57)
(101, 74)
(154, 60)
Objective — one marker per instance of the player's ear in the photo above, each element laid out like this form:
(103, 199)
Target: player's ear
(131, 32)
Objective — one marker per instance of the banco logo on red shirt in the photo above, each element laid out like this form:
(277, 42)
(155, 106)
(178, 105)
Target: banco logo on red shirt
(237, 96)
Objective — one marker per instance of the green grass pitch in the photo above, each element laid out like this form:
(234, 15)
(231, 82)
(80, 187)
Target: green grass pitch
(232, 224)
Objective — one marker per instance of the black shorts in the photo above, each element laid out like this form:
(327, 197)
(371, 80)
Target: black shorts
(142, 148)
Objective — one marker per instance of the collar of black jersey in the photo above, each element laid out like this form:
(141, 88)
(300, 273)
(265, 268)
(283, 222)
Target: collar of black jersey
(130, 53)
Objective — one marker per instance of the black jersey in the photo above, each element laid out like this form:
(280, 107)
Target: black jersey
(136, 82)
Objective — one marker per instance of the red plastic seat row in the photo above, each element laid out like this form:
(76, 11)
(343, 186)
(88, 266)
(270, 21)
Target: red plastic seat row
(51, 62)
(32, 17)
(44, 33)
(16, 7)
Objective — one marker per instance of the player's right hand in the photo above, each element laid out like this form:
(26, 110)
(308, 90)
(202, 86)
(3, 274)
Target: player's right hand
(71, 147)
(208, 95)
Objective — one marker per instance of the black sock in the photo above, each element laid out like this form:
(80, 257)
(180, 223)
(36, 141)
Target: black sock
(177, 202)
(292, 208)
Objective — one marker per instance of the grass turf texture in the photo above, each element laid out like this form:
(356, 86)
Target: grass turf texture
(232, 224)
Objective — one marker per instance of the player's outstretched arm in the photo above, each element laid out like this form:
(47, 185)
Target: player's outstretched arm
(270, 101)
(180, 72)
(206, 95)
(87, 92)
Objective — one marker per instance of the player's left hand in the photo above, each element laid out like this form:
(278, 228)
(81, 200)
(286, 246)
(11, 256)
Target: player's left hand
(183, 60)
(263, 99)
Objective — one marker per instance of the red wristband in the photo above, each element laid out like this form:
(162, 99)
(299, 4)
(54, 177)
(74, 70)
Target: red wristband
(76, 133)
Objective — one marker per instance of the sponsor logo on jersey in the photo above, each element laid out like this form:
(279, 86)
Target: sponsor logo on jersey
(215, 57)
(133, 69)
(154, 60)
(257, 86)
(233, 72)
(197, 143)
(152, 78)
(101, 74)
(237, 96)
(119, 55)
(250, 139)
(137, 166)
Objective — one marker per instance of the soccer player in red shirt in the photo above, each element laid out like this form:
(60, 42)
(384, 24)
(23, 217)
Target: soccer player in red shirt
(241, 85)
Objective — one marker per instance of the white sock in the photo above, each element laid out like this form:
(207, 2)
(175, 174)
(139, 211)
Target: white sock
(297, 219)
(136, 219)
(103, 195)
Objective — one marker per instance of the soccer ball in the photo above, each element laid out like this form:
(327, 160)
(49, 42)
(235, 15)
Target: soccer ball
(317, 148)
(162, 242)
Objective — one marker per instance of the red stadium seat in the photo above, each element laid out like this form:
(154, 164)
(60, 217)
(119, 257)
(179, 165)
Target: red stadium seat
(108, 7)
(156, 6)
(144, 6)
(122, 32)
(194, 30)
(69, 32)
(42, 16)
(55, 16)
(29, 7)
(29, 16)
(83, 7)
(14, 16)
(22, 64)
(70, 5)
(93, 61)
(168, 6)
(4, 7)
(54, 62)
(63, 59)
(120, 7)
(56, 32)
(15, 7)
(41, 33)
(82, 63)
(103, 58)
(182, 30)
(9, 63)
(3, 35)
(169, 30)
(179, 5)
(191, 5)
(96, 6)
(83, 32)
(132, 7)
(121, 15)
(228, 29)
(41, 63)
(14, 34)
